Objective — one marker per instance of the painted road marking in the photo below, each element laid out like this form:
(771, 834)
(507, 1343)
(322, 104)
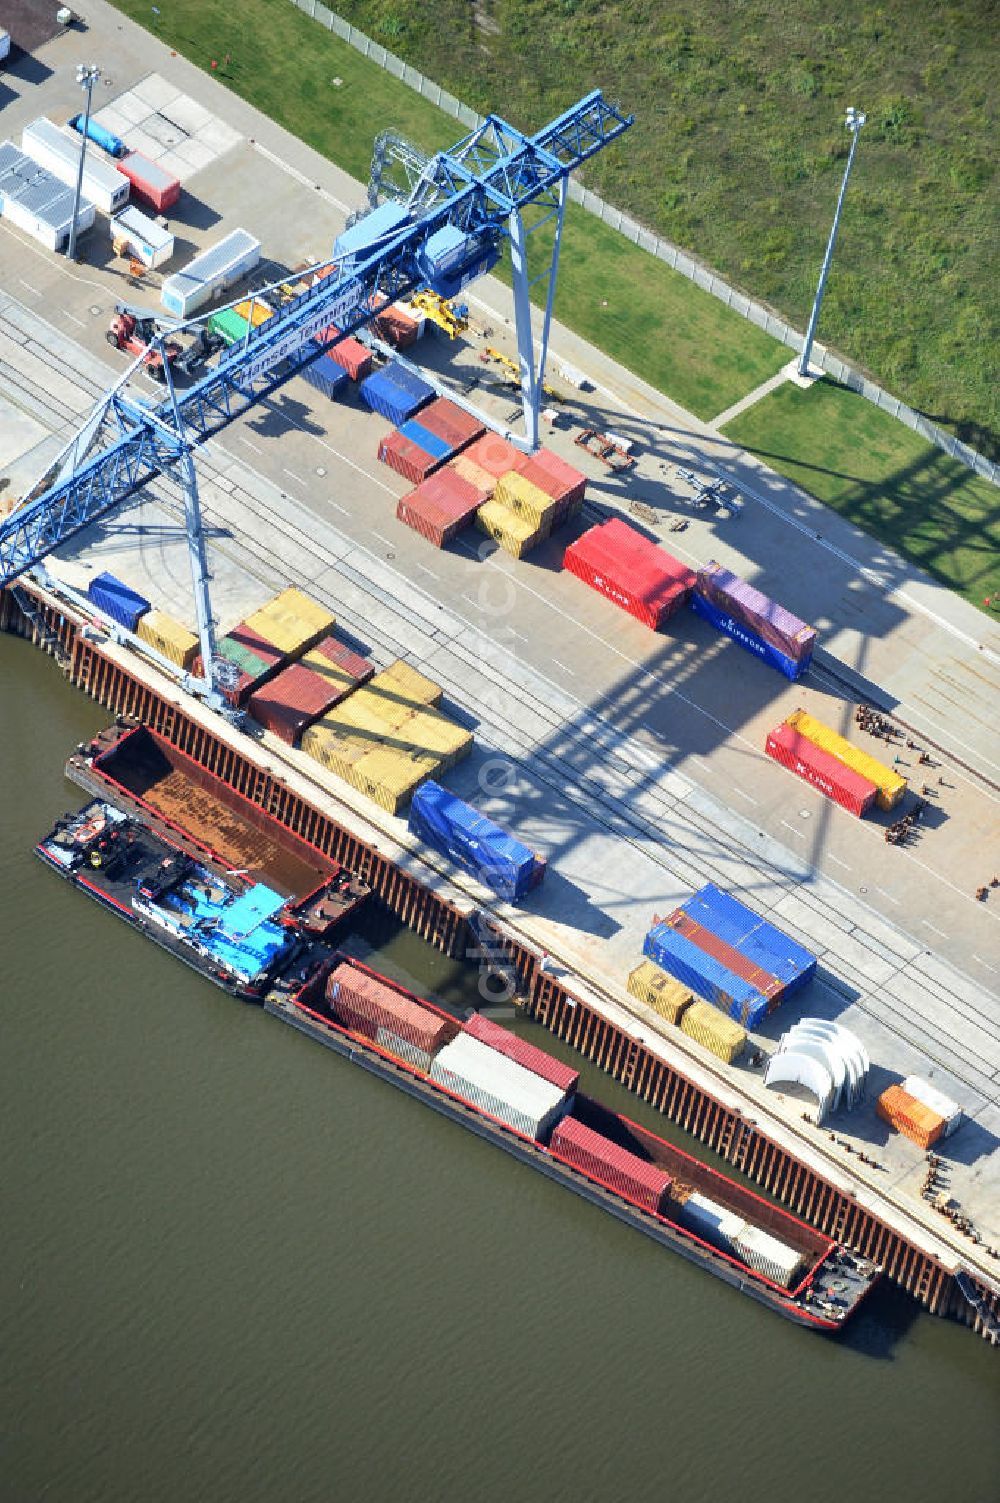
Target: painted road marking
(831, 857)
(742, 793)
(797, 833)
(564, 668)
(927, 923)
(250, 444)
(984, 962)
(292, 475)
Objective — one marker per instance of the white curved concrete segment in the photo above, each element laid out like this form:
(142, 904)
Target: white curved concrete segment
(801, 1069)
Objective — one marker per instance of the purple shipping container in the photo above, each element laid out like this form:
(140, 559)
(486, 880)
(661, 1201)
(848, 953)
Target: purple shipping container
(778, 626)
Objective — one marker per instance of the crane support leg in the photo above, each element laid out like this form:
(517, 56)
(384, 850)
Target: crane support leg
(197, 556)
(532, 375)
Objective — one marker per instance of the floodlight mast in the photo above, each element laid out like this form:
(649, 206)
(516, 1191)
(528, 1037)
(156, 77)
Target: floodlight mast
(853, 121)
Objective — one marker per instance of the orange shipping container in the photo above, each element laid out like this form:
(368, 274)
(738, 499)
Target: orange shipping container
(910, 1117)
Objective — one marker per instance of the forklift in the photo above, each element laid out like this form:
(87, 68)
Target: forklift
(132, 329)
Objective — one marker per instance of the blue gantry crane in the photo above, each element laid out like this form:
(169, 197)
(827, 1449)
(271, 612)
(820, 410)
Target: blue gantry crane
(450, 230)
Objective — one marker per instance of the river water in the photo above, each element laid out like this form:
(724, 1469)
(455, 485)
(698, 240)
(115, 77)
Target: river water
(235, 1268)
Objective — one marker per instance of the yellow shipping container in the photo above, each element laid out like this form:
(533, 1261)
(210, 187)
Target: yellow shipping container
(168, 637)
(390, 777)
(659, 991)
(336, 751)
(405, 682)
(359, 712)
(526, 500)
(261, 311)
(337, 678)
(515, 534)
(430, 732)
(891, 786)
(713, 1030)
(292, 621)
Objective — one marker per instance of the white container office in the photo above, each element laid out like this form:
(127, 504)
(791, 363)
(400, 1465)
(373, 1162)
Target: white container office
(58, 151)
(146, 240)
(36, 202)
(210, 273)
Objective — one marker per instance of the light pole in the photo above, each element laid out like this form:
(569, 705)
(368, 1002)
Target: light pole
(87, 75)
(854, 121)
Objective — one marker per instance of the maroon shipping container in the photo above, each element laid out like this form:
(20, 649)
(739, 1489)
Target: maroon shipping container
(407, 458)
(710, 944)
(395, 328)
(529, 1055)
(367, 1004)
(451, 423)
(350, 354)
(640, 576)
(293, 700)
(264, 652)
(495, 455)
(440, 506)
(601, 1159)
(345, 658)
(778, 626)
(845, 786)
(156, 187)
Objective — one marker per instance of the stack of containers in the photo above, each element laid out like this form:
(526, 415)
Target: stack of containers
(820, 768)
(949, 1111)
(529, 1055)
(412, 451)
(231, 324)
(499, 1086)
(350, 354)
(151, 183)
(601, 1159)
(168, 637)
(292, 621)
(911, 1116)
(480, 847)
(889, 785)
(754, 937)
(441, 506)
(37, 201)
(304, 691)
(395, 393)
(339, 666)
(486, 459)
(714, 1031)
(255, 658)
(759, 624)
(713, 1223)
(117, 600)
(705, 974)
(525, 499)
(638, 575)
(397, 325)
(566, 485)
(727, 1231)
(397, 1023)
(513, 533)
(211, 272)
(665, 995)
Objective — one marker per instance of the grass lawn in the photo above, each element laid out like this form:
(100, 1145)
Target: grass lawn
(884, 478)
(658, 324)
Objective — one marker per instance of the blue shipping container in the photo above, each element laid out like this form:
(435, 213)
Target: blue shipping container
(116, 599)
(705, 975)
(325, 375)
(722, 621)
(472, 841)
(385, 395)
(406, 380)
(438, 448)
(756, 938)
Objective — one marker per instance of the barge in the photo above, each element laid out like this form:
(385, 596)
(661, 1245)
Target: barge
(244, 937)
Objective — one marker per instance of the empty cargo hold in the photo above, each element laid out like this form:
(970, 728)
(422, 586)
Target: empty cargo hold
(210, 272)
(59, 153)
(35, 201)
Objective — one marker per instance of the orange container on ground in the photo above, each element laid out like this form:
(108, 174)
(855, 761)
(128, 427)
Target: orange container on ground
(909, 1116)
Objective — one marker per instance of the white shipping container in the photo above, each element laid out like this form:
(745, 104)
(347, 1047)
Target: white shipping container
(499, 1085)
(148, 241)
(403, 1049)
(937, 1101)
(710, 1221)
(58, 151)
(767, 1254)
(210, 272)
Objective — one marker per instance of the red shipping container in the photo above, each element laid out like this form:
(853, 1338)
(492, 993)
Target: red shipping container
(640, 576)
(265, 652)
(599, 1158)
(529, 1055)
(726, 954)
(293, 700)
(451, 423)
(845, 786)
(367, 1004)
(151, 183)
(495, 455)
(407, 458)
(555, 477)
(350, 354)
(345, 658)
(440, 506)
(395, 328)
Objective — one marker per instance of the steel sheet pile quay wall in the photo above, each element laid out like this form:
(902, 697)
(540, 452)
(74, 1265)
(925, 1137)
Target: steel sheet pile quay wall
(809, 762)
(370, 1006)
(59, 153)
(600, 1159)
(758, 623)
(529, 1055)
(142, 237)
(38, 202)
(499, 1086)
(890, 784)
(209, 273)
(395, 393)
(118, 600)
(441, 506)
(168, 637)
(659, 991)
(480, 847)
(638, 575)
(151, 183)
(387, 737)
(714, 1031)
